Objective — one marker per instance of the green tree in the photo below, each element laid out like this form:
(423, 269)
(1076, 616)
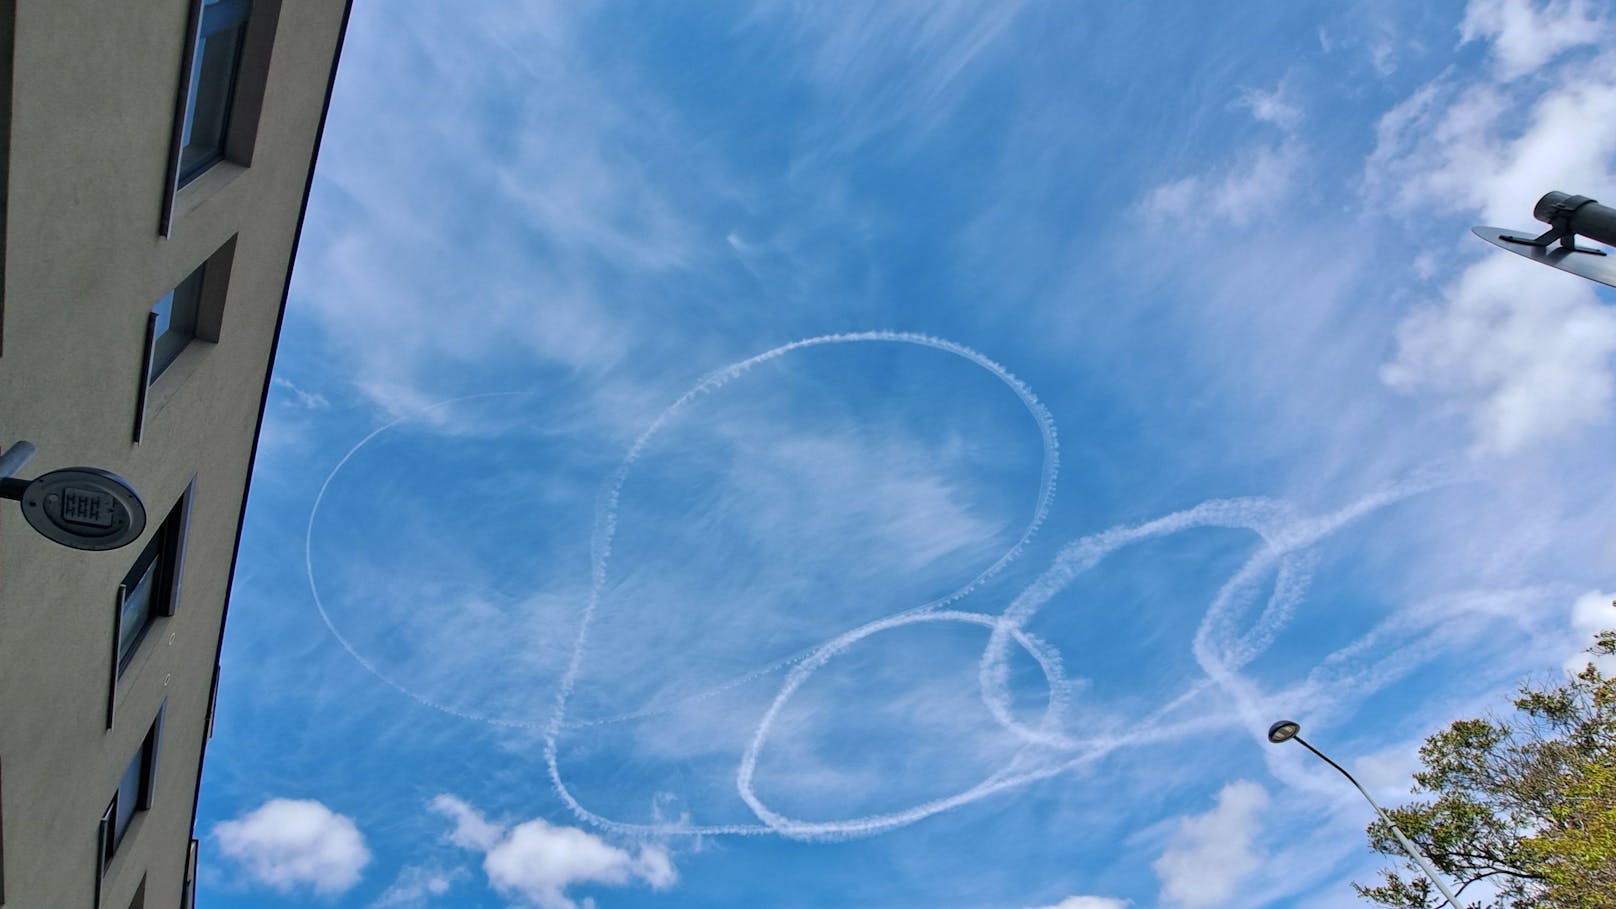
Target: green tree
(1527, 803)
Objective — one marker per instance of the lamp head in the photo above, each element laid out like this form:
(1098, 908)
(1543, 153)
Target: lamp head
(1283, 731)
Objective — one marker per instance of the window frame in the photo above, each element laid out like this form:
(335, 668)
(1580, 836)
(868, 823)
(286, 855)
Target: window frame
(165, 550)
(208, 286)
(184, 304)
(244, 102)
(231, 16)
(145, 764)
(188, 887)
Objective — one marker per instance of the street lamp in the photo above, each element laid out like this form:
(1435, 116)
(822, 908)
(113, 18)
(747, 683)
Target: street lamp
(81, 507)
(1568, 217)
(1286, 730)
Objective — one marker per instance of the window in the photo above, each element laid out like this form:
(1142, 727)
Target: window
(136, 789)
(174, 323)
(149, 591)
(188, 890)
(135, 608)
(152, 586)
(219, 99)
(192, 311)
(211, 91)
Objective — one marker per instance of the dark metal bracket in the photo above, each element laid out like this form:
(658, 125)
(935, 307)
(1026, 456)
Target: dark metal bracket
(1556, 210)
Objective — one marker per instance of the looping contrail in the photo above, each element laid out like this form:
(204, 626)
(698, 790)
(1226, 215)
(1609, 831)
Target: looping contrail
(1220, 647)
(1238, 625)
(606, 529)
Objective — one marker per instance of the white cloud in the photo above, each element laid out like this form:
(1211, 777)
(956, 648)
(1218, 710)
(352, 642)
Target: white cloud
(1236, 194)
(882, 65)
(1592, 612)
(589, 176)
(537, 861)
(308, 400)
(472, 830)
(1211, 853)
(1526, 36)
(1089, 902)
(1276, 107)
(1526, 351)
(1494, 148)
(415, 885)
(292, 843)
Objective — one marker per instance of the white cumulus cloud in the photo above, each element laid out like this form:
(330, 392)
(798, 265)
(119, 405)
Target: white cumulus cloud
(296, 843)
(1211, 853)
(537, 861)
(1592, 613)
(1525, 35)
(1525, 351)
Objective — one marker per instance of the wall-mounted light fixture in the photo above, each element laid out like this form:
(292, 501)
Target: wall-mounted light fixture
(81, 507)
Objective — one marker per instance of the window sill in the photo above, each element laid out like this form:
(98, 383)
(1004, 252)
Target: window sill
(175, 376)
(204, 186)
(141, 657)
(114, 867)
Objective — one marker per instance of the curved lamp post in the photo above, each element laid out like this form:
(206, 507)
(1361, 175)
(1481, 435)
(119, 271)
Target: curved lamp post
(1286, 730)
(1568, 218)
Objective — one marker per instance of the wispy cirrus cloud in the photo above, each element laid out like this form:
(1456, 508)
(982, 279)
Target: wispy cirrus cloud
(534, 206)
(1240, 191)
(1237, 195)
(887, 67)
(417, 887)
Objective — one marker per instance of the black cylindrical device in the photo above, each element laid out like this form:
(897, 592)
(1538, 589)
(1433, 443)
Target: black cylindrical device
(1579, 215)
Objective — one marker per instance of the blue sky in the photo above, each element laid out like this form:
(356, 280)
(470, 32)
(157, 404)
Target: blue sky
(904, 455)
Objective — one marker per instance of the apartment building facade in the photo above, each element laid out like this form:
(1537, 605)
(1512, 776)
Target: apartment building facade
(155, 170)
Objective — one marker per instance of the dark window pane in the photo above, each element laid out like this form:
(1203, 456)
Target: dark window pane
(137, 611)
(108, 843)
(128, 798)
(176, 322)
(213, 80)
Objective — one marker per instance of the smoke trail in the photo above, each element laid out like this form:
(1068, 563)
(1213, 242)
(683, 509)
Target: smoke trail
(606, 529)
(1283, 534)
(1239, 624)
(314, 588)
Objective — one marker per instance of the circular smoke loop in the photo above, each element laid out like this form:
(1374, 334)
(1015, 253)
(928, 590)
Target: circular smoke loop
(1238, 625)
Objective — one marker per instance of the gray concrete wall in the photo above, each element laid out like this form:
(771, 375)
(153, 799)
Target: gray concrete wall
(93, 88)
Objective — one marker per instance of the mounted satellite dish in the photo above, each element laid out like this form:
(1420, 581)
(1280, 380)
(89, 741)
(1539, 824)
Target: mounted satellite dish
(1568, 217)
(81, 507)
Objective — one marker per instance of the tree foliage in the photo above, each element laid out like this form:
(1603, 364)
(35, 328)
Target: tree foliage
(1527, 804)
